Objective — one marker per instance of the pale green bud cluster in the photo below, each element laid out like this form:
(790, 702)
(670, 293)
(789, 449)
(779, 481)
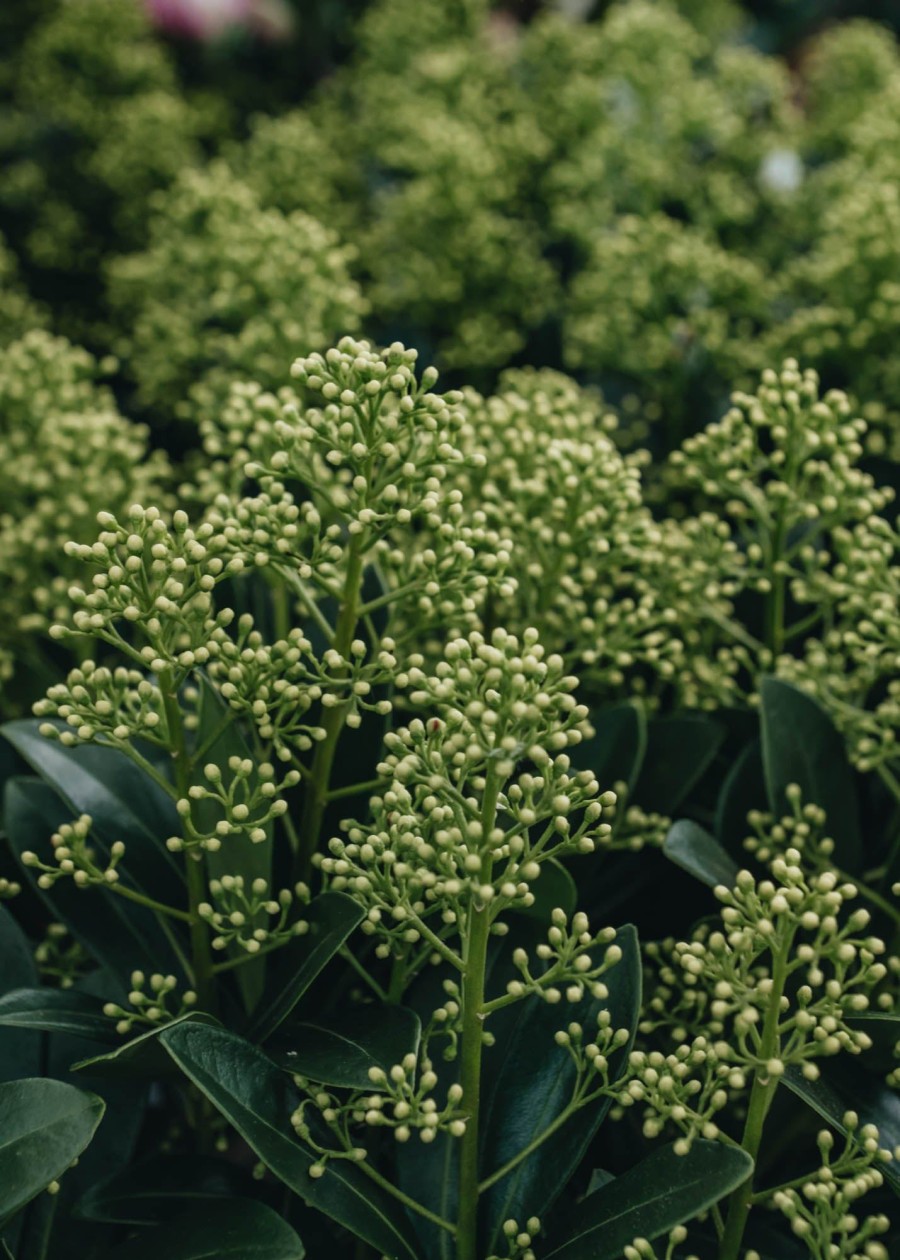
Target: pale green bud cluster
(245, 914)
(686, 1089)
(519, 1239)
(61, 958)
(152, 1001)
(89, 194)
(642, 1249)
(239, 800)
(823, 1209)
(65, 453)
(75, 858)
(566, 967)
(584, 545)
(226, 290)
(402, 1101)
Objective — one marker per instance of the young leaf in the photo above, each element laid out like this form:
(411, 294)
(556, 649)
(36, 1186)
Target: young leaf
(660, 1192)
(239, 1229)
(529, 1092)
(680, 750)
(800, 745)
(44, 1125)
(332, 917)
(341, 1054)
(253, 1095)
(57, 1010)
(695, 851)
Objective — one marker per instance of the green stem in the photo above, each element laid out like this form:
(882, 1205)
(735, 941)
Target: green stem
(405, 1199)
(761, 1095)
(316, 795)
(363, 973)
(157, 906)
(561, 1119)
(201, 952)
(477, 937)
(337, 794)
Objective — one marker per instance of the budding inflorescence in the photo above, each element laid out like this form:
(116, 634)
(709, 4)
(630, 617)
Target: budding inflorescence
(152, 1001)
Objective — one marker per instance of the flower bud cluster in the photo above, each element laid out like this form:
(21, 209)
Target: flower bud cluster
(110, 706)
(823, 1209)
(152, 1001)
(568, 966)
(584, 545)
(519, 1239)
(276, 685)
(157, 579)
(686, 1089)
(430, 850)
(240, 801)
(246, 914)
(60, 958)
(75, 858)
(401, 1100)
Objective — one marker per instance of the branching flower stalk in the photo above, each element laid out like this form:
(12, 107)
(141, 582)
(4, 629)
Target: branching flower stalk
(458, 836)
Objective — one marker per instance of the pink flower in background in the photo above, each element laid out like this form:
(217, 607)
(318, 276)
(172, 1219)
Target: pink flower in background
(210, 19)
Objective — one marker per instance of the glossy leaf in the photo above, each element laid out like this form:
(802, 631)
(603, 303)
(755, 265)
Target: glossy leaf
(845, 1086)
(801, 745)
(19, 1050)
(119, 934)
(239, 1229)
(332, 917)
(44, 1125)
(695, 851)
(680, 750)
(660, 1192)
(255, 1097)
(743, 789)
(531, 1085)
(57, 1010)
(342, 1053)
(159, 1188)
(142, 1056)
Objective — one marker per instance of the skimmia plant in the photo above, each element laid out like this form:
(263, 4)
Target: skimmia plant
(458, 818)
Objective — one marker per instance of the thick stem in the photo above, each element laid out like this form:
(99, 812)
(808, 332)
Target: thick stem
(477, 937)
(761, 1095)
(316, 795)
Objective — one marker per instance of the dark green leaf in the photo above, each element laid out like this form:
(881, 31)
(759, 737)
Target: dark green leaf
(680, 750)
(124, 803)
(341, 1054)
(161, 1187)
(800, 745)
(58, 1010)
(332, 917)
(660, 1192)
(845, 1086)
(615, 752)
(530, 1085)
(19, 1051)
(116, 932)
(744, 789)
(140, 1057)
(695, 851)
(44, 1125)
(236, 1230)
(255, 1097)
